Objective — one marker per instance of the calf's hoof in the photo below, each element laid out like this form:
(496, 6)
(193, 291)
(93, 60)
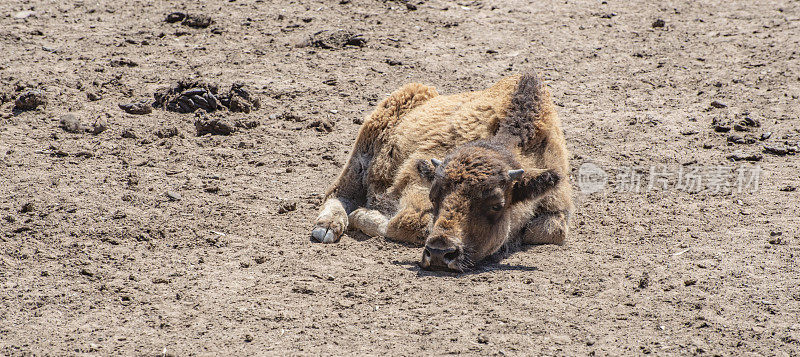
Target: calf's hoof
(324, 235)
(329, 229)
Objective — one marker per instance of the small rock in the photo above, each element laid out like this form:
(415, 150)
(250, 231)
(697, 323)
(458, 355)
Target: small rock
(322, 125)
(168, 132)
(658, 23)
(410, 6)
(173, 196)
(560, 339)
(197, 21)
(776, 240)
(720, 126)
(30, 100)
(93, 96)
(788, 188)
(302, 290)
(175, 17)
(213, 125)
(765, 136)
(86, 272)
(688, 132)
(239, 99)
(84, 154)
(99, 126)
(123, 62)
(750, 122)
(482, 339)
(644, 281)
(71, 124)
(56, 151)
(287, 206)
(689, 282)
(27, 207)
(741, 156)
(247, 124)
(129, 134)
(736, 139)
(161, 280)
(345, 303)
(335, 39)
(248, 338)
(776, 150)
(718, 105)
(22, 229)
(138, 108)
(23, 14)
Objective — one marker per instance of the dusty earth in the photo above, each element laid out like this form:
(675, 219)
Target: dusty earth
(147, 239)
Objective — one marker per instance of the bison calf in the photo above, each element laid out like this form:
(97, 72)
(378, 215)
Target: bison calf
(470, 175)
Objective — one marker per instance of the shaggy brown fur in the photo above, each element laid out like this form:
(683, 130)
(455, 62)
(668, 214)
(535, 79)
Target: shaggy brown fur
(472, 203)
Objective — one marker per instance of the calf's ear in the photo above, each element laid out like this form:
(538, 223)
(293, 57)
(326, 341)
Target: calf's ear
(426, 168)
(533, 184)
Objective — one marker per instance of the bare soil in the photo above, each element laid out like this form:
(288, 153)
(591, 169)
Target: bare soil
(129, 234)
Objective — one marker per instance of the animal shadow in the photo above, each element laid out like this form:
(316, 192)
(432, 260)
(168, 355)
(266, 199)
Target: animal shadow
(480, 269)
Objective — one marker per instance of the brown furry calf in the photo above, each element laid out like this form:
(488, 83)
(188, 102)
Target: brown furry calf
(502, 180)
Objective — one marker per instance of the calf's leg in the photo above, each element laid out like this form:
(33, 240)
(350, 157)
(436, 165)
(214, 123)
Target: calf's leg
(369, 221)
(412, 221)
(347, 194)
(546, 228)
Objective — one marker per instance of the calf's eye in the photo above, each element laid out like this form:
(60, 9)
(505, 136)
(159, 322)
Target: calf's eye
(496, 208)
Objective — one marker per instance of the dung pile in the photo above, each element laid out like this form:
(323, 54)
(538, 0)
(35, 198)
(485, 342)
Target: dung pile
(197, 21)
(30, 100)
(188, 96)
(335, 39)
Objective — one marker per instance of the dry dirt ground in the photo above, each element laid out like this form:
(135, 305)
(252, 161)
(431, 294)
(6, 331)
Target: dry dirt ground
(162, 242)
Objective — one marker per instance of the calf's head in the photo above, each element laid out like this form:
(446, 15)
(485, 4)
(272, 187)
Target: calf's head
(474, 191)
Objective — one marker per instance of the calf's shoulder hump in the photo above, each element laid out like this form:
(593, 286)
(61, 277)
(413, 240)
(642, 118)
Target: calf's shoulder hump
(392, 109)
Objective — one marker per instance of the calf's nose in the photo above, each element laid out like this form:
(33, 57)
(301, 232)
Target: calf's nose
(439, 257)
